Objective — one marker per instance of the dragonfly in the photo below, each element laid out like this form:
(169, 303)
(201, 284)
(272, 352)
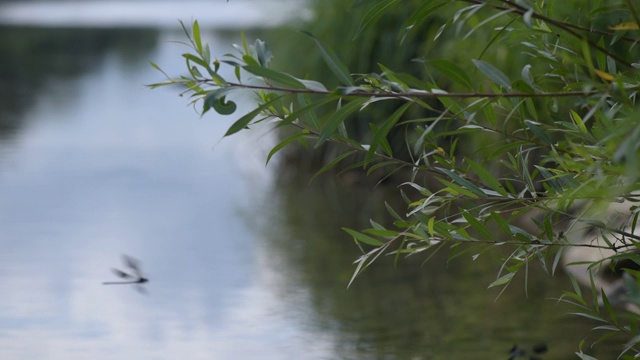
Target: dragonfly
(133, 278)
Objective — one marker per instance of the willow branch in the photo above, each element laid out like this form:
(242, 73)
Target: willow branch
(407, 95)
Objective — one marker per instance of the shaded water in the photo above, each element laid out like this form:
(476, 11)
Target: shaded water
(94, 165)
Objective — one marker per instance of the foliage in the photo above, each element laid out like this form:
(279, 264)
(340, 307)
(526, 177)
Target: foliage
(523, 165)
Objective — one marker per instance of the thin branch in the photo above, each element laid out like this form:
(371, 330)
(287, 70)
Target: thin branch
(408, 95)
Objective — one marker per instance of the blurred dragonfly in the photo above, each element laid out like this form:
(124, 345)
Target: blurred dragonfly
(135, 277)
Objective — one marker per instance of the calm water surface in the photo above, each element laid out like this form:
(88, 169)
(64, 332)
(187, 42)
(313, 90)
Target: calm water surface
(94, 165)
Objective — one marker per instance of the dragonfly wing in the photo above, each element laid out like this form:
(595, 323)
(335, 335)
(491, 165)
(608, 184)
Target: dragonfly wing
(141, 289)
(133, 264)
(122, 274)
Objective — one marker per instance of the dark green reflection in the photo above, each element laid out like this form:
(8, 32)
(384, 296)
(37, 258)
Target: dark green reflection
(435, 311)
(33, 58)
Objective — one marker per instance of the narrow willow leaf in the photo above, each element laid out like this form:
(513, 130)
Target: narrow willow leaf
(537, 130)
(625, 26)
(195, 31)
(374, 15)
(392, 76)
(275, 76)
(392, 212)
(486, 177)
(456, 190)
(464, 182)
(383, 143)
(379, 165)
(531, 107)
(493, 73)
(430, 224)
(607, 327)
(441, 228)
(338, 117)
(501, 222)
(363, 238)
(490, 114)
(381, 134)
(550, 178)
(307, 108)
(313, 85)
(425, 10)
(381, 232)
(451, 71)
(483, 22)
(526, 75)
(195, 59)
(589, 316)
(477, 225)
(285, 142)
(604, 75)
(608, 308)
(332, 164)
(502, 280)
(526, 17)
(584, 356)
(338, 68)
(245, 120)
(263, 53)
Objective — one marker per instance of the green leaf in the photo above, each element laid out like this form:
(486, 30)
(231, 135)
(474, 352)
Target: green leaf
(493, 73)
(363, 238)
(263, 53)
(381, 232)
(501, 222)
(423, 12)
(287, 141)
(486, 177)
(245, 120)
(502, 280)
(578, 121)
(338, 68)
(195, 31)
(374, 14)
(477, 225)
(338, 117)
(332, 164)
(451, 71)
(608, 308)
(537, 130)
(383, 143)
(277, 77)
(381, 135)
(456, 190)
(464, 182)
(392, 212)
(195, 59)
(217, 100)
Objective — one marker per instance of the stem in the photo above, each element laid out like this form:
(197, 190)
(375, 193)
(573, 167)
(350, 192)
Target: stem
(408, 95)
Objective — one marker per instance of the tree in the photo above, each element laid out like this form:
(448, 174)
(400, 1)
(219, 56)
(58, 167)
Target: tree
(532, 151)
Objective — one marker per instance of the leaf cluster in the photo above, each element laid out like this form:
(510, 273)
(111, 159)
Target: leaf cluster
(501, 160)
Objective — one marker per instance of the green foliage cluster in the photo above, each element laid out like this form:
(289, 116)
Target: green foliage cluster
(513, 150)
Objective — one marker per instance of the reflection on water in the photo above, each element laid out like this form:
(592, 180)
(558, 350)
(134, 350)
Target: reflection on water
(240, 266)
(36, 60)
(412, 311)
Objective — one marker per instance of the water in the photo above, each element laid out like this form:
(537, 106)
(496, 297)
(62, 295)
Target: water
(241, 266)
(157, 14)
